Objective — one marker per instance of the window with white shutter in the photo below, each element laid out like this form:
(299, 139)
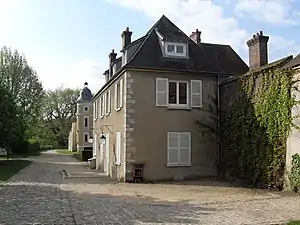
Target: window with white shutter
(161, 92)
(104, 103)
(94, 110)
(116, 96)
(196, 93)
(118, 148)
(108, 102)
(121, 93)
(99, 107)
(179, 149)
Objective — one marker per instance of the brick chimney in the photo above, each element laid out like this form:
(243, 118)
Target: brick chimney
(112, 61)
(126, 37)
(196, 37)
(258, 50)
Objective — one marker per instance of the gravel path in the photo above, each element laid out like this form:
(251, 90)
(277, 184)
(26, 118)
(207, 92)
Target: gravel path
(39, 195)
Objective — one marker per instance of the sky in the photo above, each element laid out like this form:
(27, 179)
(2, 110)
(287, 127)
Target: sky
(68, 41)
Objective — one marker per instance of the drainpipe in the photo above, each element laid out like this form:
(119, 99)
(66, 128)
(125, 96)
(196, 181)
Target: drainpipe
(218, 123)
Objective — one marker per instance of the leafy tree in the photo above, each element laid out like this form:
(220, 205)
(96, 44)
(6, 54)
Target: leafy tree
(58, 111)
(24, 86)
(9, 122)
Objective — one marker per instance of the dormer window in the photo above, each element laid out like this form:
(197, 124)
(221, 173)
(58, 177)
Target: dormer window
(176, 49)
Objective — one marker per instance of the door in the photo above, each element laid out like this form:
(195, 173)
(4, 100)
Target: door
(106, 154)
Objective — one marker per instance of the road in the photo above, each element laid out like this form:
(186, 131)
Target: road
(39, 195)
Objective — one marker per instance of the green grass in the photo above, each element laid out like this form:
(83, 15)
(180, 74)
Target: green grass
(296, 222)
(65, 152)
(10, 167)
(25, 155)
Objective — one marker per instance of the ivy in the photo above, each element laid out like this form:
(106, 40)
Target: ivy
(256, 127)
(294, 175)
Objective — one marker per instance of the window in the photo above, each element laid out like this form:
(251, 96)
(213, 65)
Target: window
(99, 107)
(176, 93)
(102, 106)
(86, 109)
(86, 121)
(94, 110)
(176, 49)
(119, 95)
(179, 149)
(86, 137)
(108, 103)
(118, 148)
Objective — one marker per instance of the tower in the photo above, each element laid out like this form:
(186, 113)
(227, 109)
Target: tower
(84, 122)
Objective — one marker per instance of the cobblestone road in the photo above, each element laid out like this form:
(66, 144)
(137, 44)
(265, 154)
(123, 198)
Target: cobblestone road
(39, 195)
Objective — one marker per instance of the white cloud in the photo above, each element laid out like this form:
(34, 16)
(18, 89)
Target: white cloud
(275, 11)
(189, 15)
(283, 47)
(54, 75)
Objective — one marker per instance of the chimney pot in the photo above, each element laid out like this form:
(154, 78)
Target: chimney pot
(258, 50)
(126, 37)
(196, 37)
(112, 61)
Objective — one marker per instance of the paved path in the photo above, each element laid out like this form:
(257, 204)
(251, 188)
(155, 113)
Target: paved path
(39, 195)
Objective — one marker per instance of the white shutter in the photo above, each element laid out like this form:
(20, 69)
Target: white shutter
(99, 107)
(94, 110)
(121, 93)
(95, 145)
(173, 154)
(107, 145)
(118, 148)
(161, 92)
(104, 104)
(108, 102)
(184, 148)
(196, 93)
(116, 96)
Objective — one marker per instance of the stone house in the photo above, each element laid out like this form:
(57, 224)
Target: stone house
(82, 127)
(154, 93)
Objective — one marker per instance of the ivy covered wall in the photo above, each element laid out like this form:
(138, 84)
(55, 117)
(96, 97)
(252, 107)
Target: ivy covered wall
(255, 124)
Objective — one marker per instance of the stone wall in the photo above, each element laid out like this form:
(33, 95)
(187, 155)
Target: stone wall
(129, 148)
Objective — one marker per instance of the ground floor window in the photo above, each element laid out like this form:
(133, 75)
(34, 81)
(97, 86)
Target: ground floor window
(179, 149)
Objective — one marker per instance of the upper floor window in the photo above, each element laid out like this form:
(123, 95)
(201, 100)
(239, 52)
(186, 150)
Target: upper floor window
(176, 49)
(86, 122)
(118, 95)
(176, 93)
(86, 108)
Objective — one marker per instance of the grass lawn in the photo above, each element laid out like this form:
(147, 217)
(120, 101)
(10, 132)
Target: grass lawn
(65, 152)
(10, 167)
(13, 156)
(294, 222)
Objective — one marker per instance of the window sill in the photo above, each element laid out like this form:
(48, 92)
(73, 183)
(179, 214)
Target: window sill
(179, 107)
(178, 165)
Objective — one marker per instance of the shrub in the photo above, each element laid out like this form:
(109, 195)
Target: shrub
(295, 173)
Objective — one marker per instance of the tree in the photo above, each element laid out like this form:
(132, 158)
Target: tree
(9, 122)
(24, 86)
(58, 111)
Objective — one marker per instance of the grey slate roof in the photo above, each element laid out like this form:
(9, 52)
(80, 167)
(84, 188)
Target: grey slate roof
(293, 63)
(203, 58)
(85, 94)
